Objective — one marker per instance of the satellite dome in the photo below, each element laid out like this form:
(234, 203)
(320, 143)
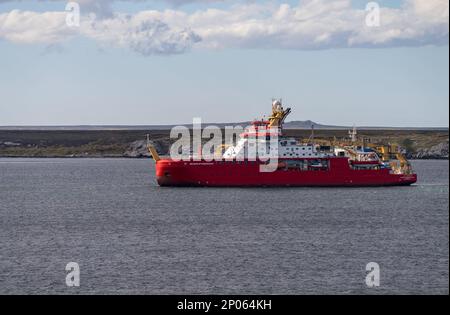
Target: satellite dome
(276, 103)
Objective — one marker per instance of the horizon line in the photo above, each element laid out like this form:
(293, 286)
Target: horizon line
(319, 125)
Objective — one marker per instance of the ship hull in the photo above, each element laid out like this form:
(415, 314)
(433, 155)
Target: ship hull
(248, 174)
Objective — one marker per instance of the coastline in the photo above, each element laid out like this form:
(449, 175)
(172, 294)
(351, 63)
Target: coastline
(76, 144)
(148, 157)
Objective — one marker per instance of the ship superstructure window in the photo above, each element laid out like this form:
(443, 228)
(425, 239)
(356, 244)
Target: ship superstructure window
(304, 165)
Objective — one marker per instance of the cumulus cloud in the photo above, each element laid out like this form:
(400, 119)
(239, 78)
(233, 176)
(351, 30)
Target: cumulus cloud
(31, 27)
(144, 33)
(313, 24)
(319, 24)
(104, 6)
(417, 23)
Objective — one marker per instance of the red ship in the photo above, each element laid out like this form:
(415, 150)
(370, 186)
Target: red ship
(315, 163)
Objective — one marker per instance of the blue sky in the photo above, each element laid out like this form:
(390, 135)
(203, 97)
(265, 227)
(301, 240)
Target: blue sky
(224, 68)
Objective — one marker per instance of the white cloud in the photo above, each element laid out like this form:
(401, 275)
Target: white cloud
(418, 22)
(320, 24)
(313, 24)
(31, 27)
(144, 33)
(103, 8)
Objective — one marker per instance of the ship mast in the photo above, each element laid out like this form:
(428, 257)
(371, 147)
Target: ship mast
(353, 134)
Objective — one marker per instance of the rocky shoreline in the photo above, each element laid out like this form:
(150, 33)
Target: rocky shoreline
(436, 152)
(138, 149)
(132, 143)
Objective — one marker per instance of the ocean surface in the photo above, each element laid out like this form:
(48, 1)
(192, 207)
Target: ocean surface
(130, 236)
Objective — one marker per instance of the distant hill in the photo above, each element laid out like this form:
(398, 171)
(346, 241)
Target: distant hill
(297, 124)
(308, 124)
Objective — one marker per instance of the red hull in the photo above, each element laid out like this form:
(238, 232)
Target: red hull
(231, 173)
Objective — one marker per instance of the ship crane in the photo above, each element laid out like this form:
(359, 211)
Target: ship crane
(279, 114)
(151, 149)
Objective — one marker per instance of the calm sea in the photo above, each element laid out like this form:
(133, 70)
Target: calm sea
(130, 236)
